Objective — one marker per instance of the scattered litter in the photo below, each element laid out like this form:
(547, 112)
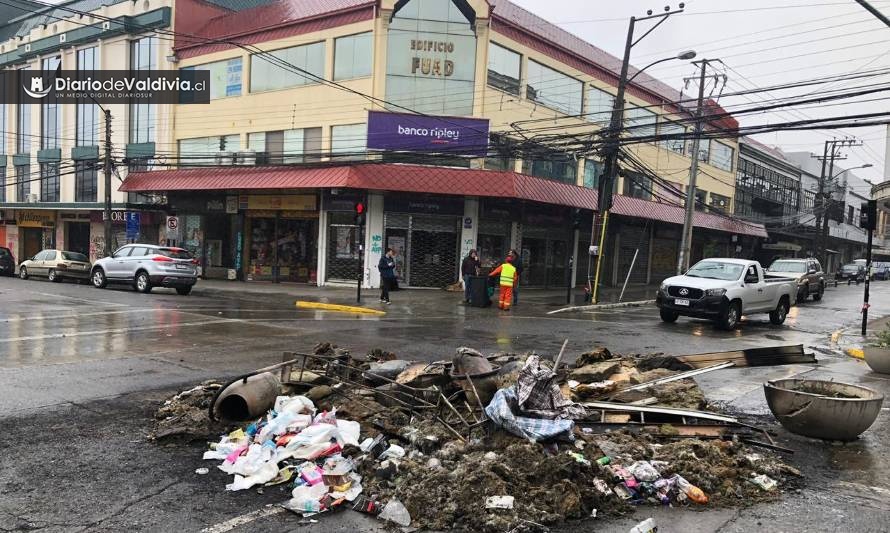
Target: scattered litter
(202, 471)
(764, 482)
(499, 502)
(646, 526)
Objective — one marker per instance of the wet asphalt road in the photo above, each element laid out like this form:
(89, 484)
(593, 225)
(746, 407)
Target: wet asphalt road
(82, 369)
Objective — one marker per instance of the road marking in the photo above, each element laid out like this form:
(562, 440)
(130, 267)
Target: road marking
(116, 330)
(77, 315)
(231, 524)
(338, 308)
(101, 302)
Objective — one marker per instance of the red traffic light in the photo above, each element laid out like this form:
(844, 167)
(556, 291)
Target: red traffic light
(359, 208)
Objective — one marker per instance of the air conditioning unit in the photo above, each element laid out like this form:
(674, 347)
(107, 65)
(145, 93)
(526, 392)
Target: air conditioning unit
(62, 38)
(246, 157)
(32, 198)
(225, 158)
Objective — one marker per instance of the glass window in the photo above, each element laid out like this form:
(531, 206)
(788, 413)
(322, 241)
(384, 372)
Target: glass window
(500, 153)
(503, 68)
(554, 89)
(637, 185)
(721, 156)
(593, 171)
(701, 199)
(143, 56)
(666, 127)
(225, 77)
(2, 182)
(703, 149)
(174, 253)
(85, 181)
(23, 128)
(286, 147)
(49, 182)
(74, 256)
(353, 56)
(269, 75)
(22, 182)
(205, 150)
(51, 112)
(554, 166)
(599, 105)
(349, 141)
(87, 111)
(640, 122)
(719, 203)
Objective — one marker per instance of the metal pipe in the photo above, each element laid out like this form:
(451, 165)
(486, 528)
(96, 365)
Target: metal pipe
(627, 278)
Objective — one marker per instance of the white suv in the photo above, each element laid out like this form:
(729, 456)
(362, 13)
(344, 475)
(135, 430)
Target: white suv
(145, 266)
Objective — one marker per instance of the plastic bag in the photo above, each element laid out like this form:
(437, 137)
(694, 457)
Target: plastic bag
(644, 471)
(294, 404)
(307, 499)
(393, 452)
(397, 513)
(264, 474)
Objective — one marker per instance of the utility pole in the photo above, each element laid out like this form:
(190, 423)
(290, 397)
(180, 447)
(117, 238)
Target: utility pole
(830, 154)
(868, 220)
(108, 223)
(613, 137)
(686, 241)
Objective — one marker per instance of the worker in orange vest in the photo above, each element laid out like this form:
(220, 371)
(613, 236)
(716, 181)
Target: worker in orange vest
(508, 278)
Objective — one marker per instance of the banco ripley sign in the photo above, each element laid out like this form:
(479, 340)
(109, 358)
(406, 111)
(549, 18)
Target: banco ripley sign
(105, 87)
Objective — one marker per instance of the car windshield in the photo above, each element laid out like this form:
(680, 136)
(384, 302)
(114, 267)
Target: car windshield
(851, 268)
(788, 266)
(716, 270)
(4, 252)
(74, 256)
(175, 253)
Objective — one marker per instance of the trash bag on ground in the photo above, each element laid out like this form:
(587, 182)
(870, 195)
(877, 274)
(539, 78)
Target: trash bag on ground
(502, 412)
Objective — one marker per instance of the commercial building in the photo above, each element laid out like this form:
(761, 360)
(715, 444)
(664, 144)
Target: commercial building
(443, 118)
(51, 186)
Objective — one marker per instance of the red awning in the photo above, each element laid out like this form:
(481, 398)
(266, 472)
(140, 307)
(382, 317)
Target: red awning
(419, 179)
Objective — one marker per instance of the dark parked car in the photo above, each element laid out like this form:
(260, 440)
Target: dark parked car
(852, 272)
(7, 262)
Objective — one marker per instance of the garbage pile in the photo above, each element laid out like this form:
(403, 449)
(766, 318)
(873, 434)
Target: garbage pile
(186, 416)
(494, 443)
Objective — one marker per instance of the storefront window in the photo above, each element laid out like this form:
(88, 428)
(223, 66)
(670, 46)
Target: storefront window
(348, 142)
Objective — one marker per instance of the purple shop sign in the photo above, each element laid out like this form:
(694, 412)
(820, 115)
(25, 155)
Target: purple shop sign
(417, 133)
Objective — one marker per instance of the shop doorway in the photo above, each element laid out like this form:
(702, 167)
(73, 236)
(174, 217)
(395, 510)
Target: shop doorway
(32, 242)
(431, 247)
(78, 237)
(544, 261)
(282, 249)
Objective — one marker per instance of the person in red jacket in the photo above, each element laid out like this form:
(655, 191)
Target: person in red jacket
(508, 278)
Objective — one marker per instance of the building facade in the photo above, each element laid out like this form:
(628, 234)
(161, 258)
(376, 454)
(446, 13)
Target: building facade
(265, 177)
(51, 173)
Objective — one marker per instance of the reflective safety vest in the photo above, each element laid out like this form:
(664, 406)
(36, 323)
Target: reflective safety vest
(507, 273)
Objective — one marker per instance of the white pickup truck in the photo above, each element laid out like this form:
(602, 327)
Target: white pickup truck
(725, 289)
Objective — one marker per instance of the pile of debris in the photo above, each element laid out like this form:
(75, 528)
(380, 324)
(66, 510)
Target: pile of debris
(498, 442)
(186, 416)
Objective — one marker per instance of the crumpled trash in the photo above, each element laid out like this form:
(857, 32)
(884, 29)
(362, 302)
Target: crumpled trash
(306, 499)
(395, 512)
(393, 452)
(502, 412)
(646, 526)
(539, 395)
(765, 482)
(499, 502)
(644, 471)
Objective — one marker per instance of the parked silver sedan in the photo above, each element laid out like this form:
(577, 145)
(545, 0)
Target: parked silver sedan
(56, 265)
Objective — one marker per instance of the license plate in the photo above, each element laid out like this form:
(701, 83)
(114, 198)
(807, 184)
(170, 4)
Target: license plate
(182, 267)
(681, 301)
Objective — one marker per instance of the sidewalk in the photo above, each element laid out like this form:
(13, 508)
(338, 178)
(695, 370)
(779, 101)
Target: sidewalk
(545, 299)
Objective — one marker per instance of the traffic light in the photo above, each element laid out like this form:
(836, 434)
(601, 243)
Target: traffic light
(359, 213)
(868, 215)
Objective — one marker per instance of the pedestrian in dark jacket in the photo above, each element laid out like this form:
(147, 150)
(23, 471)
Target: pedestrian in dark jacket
(387, 268)
(470, 267)
(517, 262)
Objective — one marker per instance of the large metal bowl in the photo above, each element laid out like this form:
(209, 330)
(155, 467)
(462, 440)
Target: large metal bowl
(823, 409)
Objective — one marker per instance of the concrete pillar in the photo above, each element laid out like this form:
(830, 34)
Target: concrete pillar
(469, 233)
(373, 240)
(322, 246)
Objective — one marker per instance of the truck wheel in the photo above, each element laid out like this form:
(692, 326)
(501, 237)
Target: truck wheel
(729, 319)
(818, 295)
(803, 293)
(669, 316)
(777, 317)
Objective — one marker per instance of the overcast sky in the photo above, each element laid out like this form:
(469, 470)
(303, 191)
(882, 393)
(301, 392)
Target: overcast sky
(764, 43)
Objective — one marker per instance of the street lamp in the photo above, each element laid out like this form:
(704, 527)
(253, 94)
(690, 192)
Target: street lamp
(610, 159)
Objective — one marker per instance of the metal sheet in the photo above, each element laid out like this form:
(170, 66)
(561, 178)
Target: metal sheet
(625, 408)
(677, 377)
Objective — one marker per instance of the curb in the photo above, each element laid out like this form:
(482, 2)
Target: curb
(858, 353)
(602, 306)
(338, 308)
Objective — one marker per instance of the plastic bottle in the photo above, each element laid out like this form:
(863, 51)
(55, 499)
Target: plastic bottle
(691, 491)
(603, 461)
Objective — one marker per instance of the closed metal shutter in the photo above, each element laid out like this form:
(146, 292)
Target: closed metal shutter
(631, 238)
(343, 256)
(433, 251)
